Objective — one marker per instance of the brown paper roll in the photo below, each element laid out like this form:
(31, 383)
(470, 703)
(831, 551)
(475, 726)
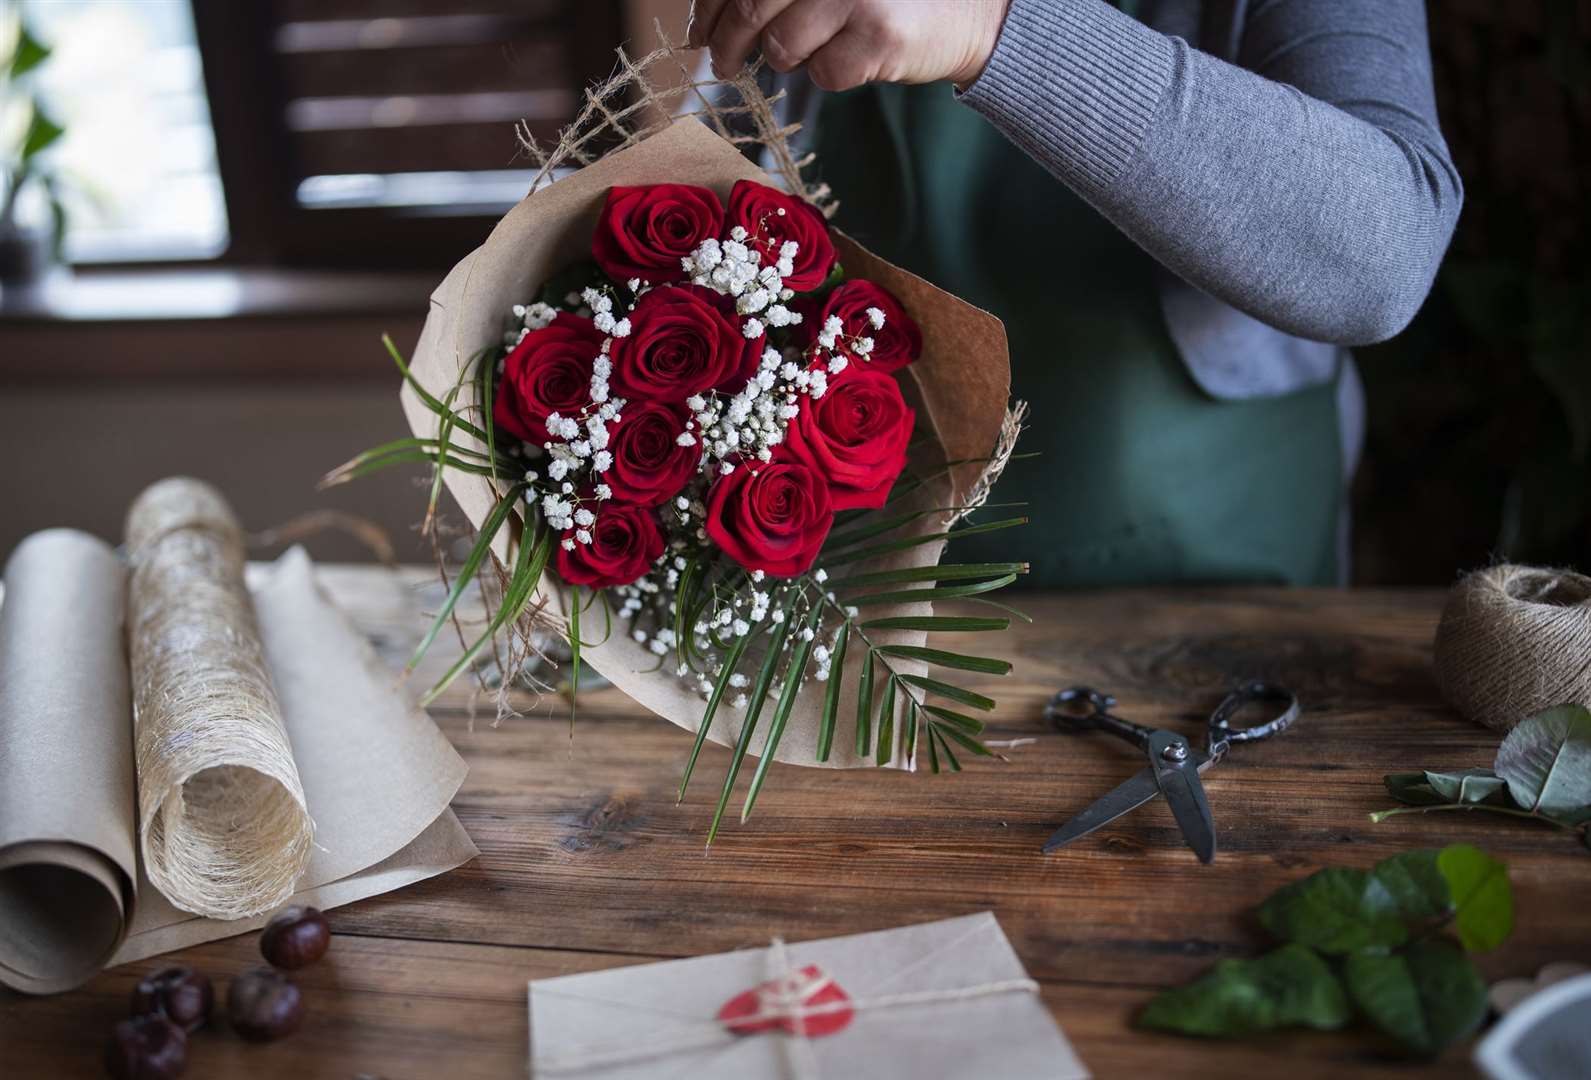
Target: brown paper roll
(67, 868)
(222, 821)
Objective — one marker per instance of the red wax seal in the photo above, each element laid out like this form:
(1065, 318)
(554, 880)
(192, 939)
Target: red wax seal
(807, 1002)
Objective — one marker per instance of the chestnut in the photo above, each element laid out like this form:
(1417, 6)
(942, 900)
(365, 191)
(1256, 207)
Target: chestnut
(148, 1047)
(295, 937)
(180, 994)
(263, 1004)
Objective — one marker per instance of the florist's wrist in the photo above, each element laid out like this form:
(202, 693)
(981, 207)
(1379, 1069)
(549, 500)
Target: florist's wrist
(987, 39)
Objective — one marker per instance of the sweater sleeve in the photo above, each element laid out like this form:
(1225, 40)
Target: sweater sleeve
(1309, 187)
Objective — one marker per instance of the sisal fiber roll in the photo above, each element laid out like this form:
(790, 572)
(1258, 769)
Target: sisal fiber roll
(1515, 640)
(222, 823)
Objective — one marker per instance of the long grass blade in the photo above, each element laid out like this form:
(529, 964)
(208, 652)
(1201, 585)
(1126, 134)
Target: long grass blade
(944, 572)
(970, 724)
(831, 695)
(864, 708)
(793, 673)
(973, 745)
(483, 544)
(945, 690)
(908, 740)
(950, 755)
(959, 661)
(945, 592)
(968, 623)
(428, 399)
(526, 575)
(770, 665)
(731, 661)
(933, 751)
(886, 724)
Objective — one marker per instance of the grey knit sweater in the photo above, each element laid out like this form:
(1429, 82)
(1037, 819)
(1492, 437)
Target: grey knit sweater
(1294, 169)
(1288, 171)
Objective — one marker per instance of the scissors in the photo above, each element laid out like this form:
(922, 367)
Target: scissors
(1174, 766)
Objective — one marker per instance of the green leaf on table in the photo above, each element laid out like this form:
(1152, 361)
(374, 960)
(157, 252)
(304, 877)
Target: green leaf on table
(1288, 987)
(1482, 896)
(1546, 760)
(1433, 788)
(1465, 785)
(1417, 885)
(1412, 788)
(1336, 911)
(1427, 996)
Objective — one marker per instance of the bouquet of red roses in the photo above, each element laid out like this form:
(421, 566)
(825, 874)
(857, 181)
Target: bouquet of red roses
(686, 417)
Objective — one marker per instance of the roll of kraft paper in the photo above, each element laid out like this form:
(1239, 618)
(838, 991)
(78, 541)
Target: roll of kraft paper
(222, 822)
(67, 868)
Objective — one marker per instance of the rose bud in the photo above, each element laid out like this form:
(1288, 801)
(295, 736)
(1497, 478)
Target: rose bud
(772, 517)
(146, 1047)
(771, 218)
(180, 994)
(625, 542)
(649, 464)
(295, 937)
(548, 372)
(855, 436)
(263, 1004)
(680, 343)
(896, 343)
(645, 231)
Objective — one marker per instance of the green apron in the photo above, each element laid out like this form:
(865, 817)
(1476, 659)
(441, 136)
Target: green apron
(1139, 476)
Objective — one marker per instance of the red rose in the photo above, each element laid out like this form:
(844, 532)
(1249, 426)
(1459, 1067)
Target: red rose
(895, 344)
(625, 542)
(771, 517)
(548, 372)
(757, 209)
(751, 348)
(855, 436)
(644, 232)
(649, 464)
(679, 344)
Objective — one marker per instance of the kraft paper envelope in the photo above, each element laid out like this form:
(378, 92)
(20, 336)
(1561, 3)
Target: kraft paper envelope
(946, 999)
(377, 774)
(959, 386)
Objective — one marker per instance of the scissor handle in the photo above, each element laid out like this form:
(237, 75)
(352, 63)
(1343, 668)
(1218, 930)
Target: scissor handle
(1080, 708)
(1222, 734)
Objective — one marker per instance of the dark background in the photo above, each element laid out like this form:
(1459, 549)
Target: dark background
(1479, 441)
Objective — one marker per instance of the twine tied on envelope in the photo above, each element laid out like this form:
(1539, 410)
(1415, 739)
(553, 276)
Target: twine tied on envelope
(791, 1004)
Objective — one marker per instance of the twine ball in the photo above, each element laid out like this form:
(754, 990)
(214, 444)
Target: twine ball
(1515, 640)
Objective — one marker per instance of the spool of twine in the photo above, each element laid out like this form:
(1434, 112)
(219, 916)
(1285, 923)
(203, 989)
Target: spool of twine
(223, 827)
(1515, 640)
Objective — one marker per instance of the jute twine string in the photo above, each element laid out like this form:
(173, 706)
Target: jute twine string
(223, 828)
(1515, 640)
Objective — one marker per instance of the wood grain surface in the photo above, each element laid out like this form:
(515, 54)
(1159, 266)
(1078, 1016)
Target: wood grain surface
(586, 861)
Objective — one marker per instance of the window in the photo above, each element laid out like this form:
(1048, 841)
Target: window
(124, 80)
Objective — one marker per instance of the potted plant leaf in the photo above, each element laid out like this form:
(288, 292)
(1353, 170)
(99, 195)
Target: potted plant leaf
(26, 131)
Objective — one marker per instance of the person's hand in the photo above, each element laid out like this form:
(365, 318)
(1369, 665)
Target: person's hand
(846, 43)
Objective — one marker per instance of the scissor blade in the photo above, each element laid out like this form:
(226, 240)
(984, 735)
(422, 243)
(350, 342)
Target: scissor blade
(1184, 791)
(1123, 799)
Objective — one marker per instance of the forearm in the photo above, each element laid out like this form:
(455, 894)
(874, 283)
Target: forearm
(1323, 223)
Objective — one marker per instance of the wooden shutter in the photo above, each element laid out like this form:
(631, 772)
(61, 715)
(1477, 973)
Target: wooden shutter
(404, 110)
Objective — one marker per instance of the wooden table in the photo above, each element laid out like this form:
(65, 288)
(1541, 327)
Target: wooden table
(587, 863)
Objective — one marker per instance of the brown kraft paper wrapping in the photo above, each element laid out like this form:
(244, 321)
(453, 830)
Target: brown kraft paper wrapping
(67, 864)
(960, 386)
(377, 774)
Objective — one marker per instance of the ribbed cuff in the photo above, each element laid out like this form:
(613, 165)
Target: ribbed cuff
(1076, 84)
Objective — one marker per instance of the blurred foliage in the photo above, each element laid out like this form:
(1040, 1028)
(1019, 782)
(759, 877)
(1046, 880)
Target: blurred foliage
(20, 56)
(1479, 436)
